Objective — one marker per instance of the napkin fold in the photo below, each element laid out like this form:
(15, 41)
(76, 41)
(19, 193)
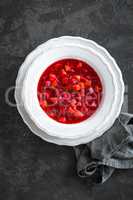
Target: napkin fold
(114, 149)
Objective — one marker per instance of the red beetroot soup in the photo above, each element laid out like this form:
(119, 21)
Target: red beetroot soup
(69, 91)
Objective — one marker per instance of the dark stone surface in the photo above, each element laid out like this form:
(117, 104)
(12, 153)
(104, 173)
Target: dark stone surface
(30, 168)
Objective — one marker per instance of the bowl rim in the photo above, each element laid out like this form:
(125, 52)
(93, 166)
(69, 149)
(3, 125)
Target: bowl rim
(52, 41)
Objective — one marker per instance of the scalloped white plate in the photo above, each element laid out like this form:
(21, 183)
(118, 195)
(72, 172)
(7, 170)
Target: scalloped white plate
(103, 63)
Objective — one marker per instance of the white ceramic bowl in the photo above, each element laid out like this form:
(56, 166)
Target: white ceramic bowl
(39, 60)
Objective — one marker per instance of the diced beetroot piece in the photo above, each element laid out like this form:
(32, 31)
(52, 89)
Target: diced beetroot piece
(46, 95)
(66, 96)
(77, 77)
(52, 114)
(47, 83)
(52, 77)
(73, 80)
(79, 65)
(53, 100)
(76, 87)
(54, 83)
(65, 80)
(93, 105)
(43, 103)
(75, 113)
(62, 119)
(84, 110)
(67, 68)
(73, 103)
(82, 85)
(72, 70)
(70, 110)
(78, 113)
(91, 90)
(88, 83)
(97, 89)
(63, 73)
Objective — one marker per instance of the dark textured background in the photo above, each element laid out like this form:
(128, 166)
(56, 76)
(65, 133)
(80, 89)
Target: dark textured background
(30, 168)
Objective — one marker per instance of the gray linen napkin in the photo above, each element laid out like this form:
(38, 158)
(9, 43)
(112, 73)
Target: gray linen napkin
(114, 149)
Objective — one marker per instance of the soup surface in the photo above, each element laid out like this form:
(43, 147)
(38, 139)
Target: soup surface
(69, 91)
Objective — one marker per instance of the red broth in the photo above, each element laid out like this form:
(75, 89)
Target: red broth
(69, 91)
